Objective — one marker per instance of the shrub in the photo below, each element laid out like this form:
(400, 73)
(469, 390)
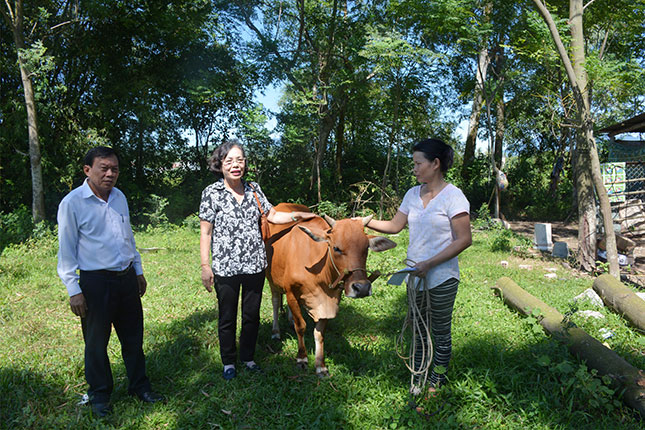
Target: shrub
(334, 210)
(154, 211)
(15, 227)
(191, 221)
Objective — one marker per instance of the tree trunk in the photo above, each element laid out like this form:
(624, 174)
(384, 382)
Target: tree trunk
(340, 144)
(391, 143)
(586, 208)
(588, 175)
(500, 128)
(499, 144)
(15, 20)
(483, 60)
(621, 299)
(326, 125)
(626, 379)
(558, 164)
(586, 132)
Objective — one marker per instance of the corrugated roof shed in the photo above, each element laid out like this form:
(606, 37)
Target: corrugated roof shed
(631, 125)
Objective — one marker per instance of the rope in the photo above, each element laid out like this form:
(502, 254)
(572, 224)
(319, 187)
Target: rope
(418, 325)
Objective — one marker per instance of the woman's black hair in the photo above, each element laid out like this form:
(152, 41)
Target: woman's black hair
(436, 148)
(98, 152)
(220, 153)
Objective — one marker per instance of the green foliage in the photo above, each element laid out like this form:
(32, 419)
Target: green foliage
(154, 211)
(529, 195)
(15, 227)
(501, 241)
(336, 211)
(191, 222)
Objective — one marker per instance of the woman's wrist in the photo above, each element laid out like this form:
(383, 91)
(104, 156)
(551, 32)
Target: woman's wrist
(205, 265)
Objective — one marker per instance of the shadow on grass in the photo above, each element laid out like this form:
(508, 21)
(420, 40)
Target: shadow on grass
(487, 379)
(29, 399)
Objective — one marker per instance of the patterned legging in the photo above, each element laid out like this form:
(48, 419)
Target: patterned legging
(442, 301)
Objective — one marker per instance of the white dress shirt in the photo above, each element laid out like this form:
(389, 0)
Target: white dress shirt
(431, 231)
(94, 235)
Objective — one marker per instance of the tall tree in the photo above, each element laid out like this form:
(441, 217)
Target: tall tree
(14, 17)
(588, 176)
(481, 71)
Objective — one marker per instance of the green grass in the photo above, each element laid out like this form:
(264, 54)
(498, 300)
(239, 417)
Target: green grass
(505, 374)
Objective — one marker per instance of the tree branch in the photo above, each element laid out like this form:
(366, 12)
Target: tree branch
(588, 4)
(566, 61)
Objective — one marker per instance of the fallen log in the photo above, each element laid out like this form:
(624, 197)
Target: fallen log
(621, 299)
(625, 377)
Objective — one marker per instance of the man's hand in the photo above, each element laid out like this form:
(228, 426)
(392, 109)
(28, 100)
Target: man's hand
(78, 305)
(143, 284)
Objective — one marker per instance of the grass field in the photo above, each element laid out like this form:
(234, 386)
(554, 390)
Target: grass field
(505, 373)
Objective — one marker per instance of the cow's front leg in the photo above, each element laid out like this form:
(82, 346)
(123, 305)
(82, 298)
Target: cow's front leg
(319, 336)
(276, 300)
(299, 326)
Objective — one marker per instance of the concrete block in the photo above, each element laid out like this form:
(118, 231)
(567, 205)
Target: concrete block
(591, 296)
(560, 250)
(543, 240)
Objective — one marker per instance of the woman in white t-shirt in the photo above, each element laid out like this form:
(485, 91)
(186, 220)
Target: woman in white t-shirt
(437, 214)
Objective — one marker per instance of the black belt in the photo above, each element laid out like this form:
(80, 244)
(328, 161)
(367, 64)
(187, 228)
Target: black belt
(111, 272)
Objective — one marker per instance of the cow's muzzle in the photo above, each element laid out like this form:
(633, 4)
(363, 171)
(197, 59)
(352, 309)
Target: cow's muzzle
(359, 290)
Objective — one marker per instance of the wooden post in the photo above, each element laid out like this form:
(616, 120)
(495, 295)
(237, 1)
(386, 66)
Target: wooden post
(625, 377)
(621, 299)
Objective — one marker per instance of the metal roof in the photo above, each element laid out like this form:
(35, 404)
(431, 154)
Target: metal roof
(631, 125)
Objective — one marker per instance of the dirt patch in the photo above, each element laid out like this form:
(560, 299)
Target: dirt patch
(560, 231)
(568, 232)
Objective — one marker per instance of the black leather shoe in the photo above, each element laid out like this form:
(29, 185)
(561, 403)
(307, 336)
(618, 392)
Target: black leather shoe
(150, 397)
(229, 373)
(101, 409)
(253, 368)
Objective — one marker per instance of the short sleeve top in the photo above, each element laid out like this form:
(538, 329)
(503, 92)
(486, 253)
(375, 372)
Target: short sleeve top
(236, 245)
(431, 230)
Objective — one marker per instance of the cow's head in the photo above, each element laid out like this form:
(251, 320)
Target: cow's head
(347, 247)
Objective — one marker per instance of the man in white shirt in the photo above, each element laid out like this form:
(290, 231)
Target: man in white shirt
(95, 238)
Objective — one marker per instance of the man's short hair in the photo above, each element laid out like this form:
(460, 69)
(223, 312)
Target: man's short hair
(99, 152)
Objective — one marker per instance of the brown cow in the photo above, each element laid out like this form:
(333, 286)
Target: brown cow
(310, 262)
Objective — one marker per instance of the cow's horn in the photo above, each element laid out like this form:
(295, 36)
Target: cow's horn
(367, 219)
(330, 221)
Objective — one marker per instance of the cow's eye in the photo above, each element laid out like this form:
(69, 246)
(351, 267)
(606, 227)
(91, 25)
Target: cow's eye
(337, 249)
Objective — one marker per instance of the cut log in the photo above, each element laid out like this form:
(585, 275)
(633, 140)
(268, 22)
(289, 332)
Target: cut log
(621, 300)
(625, 377)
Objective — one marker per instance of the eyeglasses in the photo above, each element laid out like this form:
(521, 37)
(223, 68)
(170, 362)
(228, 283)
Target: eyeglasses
(229, 162)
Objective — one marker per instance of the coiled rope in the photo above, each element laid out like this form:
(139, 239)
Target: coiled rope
(419, 325)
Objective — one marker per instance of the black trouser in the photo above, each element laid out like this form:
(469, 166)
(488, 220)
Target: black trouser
(112, 300)
(228, 291)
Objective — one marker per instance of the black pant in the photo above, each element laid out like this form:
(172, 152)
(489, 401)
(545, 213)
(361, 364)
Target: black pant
(112, 300)
(228, 291)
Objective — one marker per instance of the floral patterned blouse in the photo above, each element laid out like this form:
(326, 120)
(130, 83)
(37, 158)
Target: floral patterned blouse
(236, 245)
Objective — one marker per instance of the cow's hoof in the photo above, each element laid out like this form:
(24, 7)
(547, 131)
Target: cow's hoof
(322, 372)
(275, 336)
(302, 363)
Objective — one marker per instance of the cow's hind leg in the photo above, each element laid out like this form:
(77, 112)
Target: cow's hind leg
(319, 336)
(300, 326)
(276, 300)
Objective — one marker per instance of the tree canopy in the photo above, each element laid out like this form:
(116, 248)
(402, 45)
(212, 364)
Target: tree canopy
(166, 82)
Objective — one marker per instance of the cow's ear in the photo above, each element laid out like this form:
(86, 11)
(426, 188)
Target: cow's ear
(380, 243)
(317, 237)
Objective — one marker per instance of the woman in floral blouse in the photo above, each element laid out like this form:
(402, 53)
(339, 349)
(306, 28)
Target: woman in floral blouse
(229, 223)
